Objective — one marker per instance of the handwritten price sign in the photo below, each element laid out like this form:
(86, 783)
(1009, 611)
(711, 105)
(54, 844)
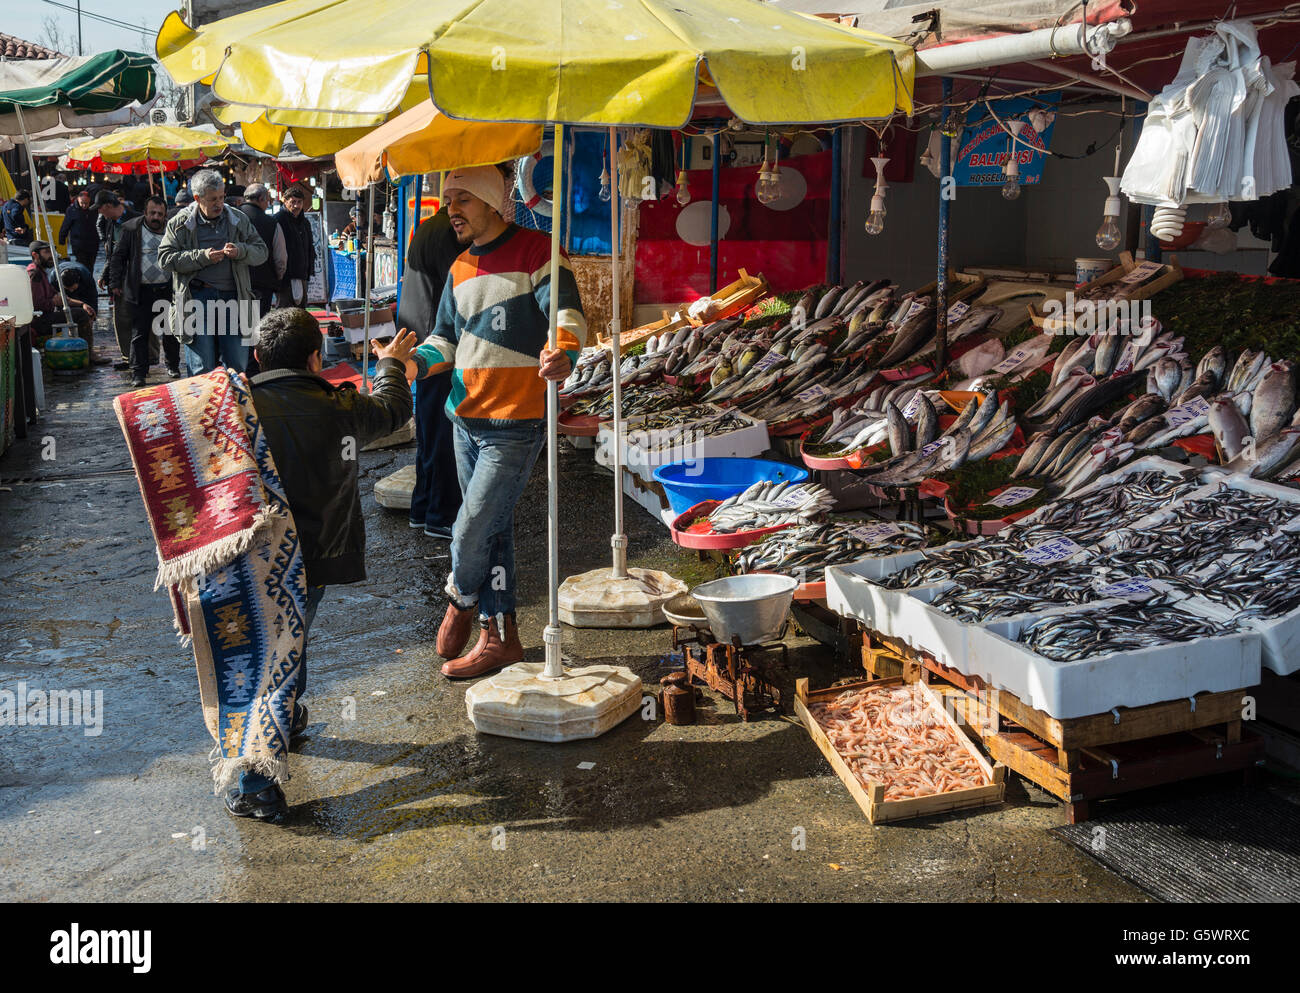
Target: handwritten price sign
(1187, 412)
(1056, 550)
(1011, 496)
(872, 534)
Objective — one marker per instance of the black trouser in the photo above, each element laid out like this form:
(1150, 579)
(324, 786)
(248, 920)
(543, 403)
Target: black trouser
(24, 383)
(286, 297)
(143, 318)
(85, 254)
(435, 500)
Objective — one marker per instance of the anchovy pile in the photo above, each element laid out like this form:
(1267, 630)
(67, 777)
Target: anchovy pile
(640, 399)
(766, 504)
(1264, 583)
(1087, 519)
(668, 427)
(1117, 628)
(1015, 586)
(816, 546)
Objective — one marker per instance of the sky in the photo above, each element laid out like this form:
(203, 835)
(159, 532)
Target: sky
(25, 20)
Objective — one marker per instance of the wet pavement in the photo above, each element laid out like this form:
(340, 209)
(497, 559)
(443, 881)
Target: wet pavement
(394, 796)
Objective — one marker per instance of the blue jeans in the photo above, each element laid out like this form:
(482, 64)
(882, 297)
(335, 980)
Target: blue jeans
(221, 343)
(252, 782)
(493, 465)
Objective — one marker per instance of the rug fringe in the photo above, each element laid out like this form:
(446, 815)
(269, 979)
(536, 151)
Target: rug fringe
(225, 772)
(183, 571)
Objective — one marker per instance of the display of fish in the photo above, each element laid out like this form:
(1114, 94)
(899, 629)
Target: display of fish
(769, 504)
(810, 548)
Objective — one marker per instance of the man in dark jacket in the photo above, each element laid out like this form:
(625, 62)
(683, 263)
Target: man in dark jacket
(299, 248)
(16, 228)
(79, 230)
(257, 198)
(435, 500)
(142, 289)
(315, 431)
(113, 213)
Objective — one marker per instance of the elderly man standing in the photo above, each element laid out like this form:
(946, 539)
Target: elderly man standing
(295, 256)
(141, 289)
(208, 248)
(492, 331)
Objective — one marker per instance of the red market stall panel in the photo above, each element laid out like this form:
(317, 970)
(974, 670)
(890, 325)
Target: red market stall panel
(784, 240)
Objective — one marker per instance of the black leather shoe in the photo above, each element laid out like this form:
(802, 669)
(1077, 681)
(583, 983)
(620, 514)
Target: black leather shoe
(137, 381)
(443, 534)
(121, 365)
(173, 372)
(300, 720)
(268, 805)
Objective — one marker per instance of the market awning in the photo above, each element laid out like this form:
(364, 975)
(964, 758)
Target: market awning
(73, 91)
(152, 143)
(425, 140)
(567, 61)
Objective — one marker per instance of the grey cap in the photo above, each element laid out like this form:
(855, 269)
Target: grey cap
(36, 246)
(183, 196)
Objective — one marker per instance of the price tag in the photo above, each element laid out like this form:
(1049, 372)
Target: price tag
(791, 496)
(1127, 357)
(1012, 361)
(917, 306)
(1056, 550)
(1142, 272)
(1189, 411)
(872, 534)
(768, 360)
(931, 448)
(1011, 496)
(957, 311)
(1129, 589)
(813, 394)
(913, 405)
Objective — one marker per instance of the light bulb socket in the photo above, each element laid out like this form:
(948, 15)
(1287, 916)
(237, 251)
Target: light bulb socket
(1012, 167)
(1112, 207)
(878, 203)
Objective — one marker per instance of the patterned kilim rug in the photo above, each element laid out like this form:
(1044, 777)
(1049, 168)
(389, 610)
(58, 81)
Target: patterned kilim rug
(228, 552)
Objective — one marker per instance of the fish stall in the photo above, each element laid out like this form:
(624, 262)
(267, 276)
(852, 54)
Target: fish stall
(1063, 522)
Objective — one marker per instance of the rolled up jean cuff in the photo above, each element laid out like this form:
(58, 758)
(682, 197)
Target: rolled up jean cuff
(461, 601)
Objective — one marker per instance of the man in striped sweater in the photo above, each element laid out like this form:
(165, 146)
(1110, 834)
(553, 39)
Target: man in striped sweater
(491, 330)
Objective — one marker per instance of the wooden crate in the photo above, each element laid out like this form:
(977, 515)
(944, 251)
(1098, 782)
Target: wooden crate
(736, 296)
(961, 286)
(1087, 758)
(872, 798)
(634, 337)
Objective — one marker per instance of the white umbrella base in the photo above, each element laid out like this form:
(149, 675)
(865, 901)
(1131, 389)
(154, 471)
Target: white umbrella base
(518, 702)
(394, 491)
(597, 600)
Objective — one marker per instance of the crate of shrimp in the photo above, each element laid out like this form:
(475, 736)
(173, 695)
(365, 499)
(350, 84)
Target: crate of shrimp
(897, 748)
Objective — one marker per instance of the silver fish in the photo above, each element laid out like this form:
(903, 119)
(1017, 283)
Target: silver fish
(1273, 403)
(1230, 429)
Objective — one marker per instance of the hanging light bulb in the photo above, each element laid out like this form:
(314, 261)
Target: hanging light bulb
(1011, 188)
(1108, 234)
(1220, 216)
(876, 216)
(776, 182)
(604, 193)
(763, 188)
(683, 191)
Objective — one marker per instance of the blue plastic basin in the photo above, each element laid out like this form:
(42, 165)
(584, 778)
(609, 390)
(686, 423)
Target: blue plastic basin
(695, 480)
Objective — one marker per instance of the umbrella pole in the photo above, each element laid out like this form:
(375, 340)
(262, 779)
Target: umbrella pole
(552, 636)
(619, 539)
(42, 220)
(369, 267)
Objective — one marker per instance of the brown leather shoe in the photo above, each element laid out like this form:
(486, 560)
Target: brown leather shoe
(492, 652)
(453, 633)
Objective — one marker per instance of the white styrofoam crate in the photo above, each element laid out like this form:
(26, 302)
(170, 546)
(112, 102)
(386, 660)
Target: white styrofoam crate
(647, 493)
(648, 451)
(1098, 683)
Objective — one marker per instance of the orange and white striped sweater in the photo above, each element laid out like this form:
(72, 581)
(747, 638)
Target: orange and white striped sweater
(492, 325)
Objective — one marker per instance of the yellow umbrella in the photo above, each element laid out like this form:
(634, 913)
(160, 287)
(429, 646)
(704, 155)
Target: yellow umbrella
(575, 61)
(605, 62)
(151, 143)
(425, 140)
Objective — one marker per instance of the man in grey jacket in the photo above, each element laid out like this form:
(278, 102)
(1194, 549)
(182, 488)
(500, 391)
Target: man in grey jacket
(208, 248)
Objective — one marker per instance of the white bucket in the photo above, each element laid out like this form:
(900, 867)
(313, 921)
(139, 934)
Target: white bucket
(1086, 270)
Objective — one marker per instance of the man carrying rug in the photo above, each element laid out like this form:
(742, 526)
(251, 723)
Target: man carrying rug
(492, 331)
(255, 509)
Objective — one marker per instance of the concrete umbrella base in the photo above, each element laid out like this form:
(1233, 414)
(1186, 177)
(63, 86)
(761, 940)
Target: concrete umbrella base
(597, 600)
(519, 702)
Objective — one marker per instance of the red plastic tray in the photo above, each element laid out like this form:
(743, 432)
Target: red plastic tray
(710, 541)
(584, 426)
